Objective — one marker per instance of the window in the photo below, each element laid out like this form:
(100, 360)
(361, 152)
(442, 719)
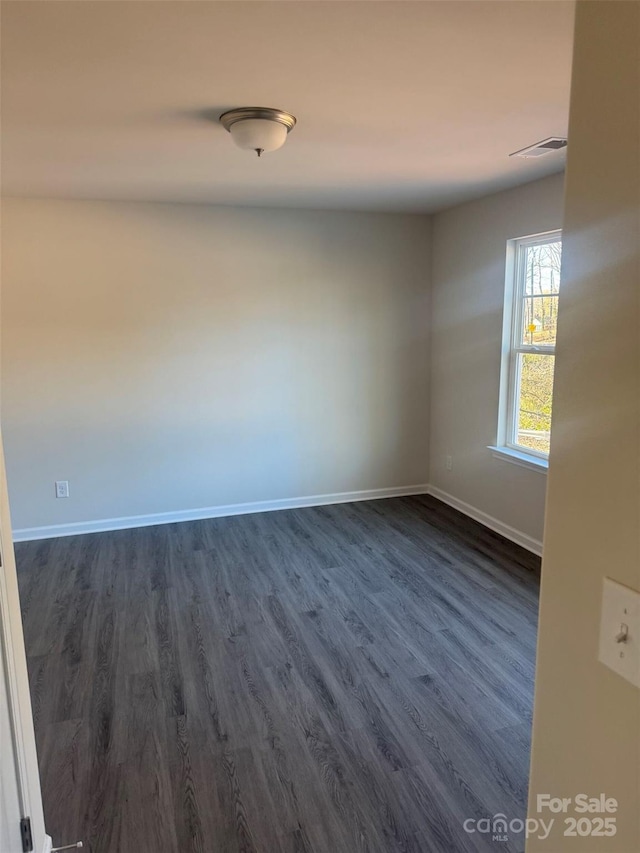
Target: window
(530, 320)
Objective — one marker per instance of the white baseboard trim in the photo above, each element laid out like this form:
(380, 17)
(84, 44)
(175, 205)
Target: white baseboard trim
(48, 843)
(52, 531)
(528, 542)
(28, 534)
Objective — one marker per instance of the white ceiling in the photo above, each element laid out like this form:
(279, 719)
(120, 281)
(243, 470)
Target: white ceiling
(401, 106)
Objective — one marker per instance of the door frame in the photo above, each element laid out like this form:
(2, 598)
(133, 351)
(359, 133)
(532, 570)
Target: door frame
(17, 679)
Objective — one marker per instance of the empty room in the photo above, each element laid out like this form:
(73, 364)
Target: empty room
(319, 397)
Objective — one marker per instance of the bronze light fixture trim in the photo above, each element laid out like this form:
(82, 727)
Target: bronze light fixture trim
(258, 129)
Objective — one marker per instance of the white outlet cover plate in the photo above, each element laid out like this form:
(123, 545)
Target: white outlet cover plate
(620, 606)
(62, 488)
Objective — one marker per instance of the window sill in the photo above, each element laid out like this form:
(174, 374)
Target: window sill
(517, 457)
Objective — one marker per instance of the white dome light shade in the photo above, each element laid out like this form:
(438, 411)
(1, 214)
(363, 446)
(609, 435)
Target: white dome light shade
(258, 128)
(258, 134)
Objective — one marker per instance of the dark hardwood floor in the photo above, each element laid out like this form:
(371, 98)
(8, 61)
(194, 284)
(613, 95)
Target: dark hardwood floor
(337, 679)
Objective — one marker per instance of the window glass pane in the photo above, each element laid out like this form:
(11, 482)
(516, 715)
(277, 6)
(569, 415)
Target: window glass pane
(542, 268)
(533, 401)
(539, 320)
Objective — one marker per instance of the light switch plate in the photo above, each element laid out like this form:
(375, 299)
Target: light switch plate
(620, 618)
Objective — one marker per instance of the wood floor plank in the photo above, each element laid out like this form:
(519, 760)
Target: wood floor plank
(146, 766)
(334, 679)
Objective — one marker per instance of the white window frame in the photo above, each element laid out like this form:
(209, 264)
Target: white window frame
(506, 446)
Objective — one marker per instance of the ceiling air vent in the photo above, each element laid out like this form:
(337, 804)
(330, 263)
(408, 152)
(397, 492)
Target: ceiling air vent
(553, 143)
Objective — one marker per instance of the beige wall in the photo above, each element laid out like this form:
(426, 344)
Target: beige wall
(468, 279)
(169, 357)
(587, 719)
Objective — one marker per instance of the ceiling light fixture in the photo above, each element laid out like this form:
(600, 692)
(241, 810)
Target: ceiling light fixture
(546, 146)
(258, 129)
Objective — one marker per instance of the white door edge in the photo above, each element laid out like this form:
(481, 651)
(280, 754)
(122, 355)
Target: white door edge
(17, 679)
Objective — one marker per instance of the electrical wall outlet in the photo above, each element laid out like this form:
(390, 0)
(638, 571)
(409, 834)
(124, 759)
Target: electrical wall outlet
(62, 488)
(448, 462)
